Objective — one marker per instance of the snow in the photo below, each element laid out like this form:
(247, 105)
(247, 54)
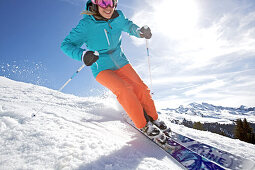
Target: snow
(69, 133)
(83, 133)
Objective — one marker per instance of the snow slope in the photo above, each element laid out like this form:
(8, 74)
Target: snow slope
(70, 133)
(82, 133)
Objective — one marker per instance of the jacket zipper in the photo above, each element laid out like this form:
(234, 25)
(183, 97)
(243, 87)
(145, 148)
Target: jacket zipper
(106, 34)
(105, 31)
(109, 24)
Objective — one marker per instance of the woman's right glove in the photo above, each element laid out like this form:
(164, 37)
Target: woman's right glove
(90, 57)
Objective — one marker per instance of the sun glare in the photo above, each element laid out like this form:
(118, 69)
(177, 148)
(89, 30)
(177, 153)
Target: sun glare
(176, 18)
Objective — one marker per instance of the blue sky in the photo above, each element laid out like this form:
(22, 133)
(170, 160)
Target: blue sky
(201, 50)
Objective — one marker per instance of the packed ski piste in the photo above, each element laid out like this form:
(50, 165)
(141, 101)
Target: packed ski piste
(46, 129)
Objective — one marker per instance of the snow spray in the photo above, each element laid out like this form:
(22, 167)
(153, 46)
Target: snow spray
(60, 89)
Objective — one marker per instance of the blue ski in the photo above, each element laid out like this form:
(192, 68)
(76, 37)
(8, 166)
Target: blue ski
(223, 158)
(187, 158)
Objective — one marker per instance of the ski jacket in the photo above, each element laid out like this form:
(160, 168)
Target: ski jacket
(102, 36)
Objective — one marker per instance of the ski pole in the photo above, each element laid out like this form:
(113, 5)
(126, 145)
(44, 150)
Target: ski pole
(148, 54)
(59, 90)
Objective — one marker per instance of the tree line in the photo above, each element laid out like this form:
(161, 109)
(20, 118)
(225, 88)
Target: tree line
(240, 129)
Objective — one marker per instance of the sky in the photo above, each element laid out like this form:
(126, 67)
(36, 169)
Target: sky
(200, 51)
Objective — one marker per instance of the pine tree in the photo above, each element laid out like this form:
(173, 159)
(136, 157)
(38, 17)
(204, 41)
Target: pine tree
(253, 138)
(239, 130)
(248, 131)
(247, 127)
(244, 131)
(198, 126)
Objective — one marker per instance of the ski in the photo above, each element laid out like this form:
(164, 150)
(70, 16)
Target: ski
(187, 158)
(223, 158)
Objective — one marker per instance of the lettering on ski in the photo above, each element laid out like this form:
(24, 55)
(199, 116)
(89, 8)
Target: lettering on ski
(184, 156)
(218, 156)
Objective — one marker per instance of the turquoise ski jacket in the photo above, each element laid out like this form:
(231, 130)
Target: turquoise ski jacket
(101, 36)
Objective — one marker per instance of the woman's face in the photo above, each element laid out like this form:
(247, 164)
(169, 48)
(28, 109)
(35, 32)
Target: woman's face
(106, 12)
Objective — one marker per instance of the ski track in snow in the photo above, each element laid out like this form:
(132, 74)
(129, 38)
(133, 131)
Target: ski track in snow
(69, 133)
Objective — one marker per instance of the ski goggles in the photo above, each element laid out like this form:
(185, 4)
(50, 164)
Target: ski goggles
(105, 3)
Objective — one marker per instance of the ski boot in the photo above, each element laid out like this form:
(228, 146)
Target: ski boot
(162, 126)
(150, 130)
(154, 133)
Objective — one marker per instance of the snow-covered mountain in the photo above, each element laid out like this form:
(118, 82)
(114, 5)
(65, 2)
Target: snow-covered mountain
(209, 113)
(83, 133)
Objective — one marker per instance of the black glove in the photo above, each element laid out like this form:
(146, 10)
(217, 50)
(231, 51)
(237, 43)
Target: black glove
(145, 32)
(90, 57)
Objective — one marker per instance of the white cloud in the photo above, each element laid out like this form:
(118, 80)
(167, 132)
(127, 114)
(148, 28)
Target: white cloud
(194, 59)
(206, 87)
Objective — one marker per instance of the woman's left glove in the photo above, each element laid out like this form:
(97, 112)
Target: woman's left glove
(145, 32)
(90, 57)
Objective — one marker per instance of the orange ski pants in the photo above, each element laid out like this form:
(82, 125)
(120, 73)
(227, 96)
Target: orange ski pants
(131, 92)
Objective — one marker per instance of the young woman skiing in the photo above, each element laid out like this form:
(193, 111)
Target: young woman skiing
(100, 29)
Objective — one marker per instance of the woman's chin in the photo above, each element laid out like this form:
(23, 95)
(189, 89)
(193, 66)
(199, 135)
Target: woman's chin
(107, 16)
